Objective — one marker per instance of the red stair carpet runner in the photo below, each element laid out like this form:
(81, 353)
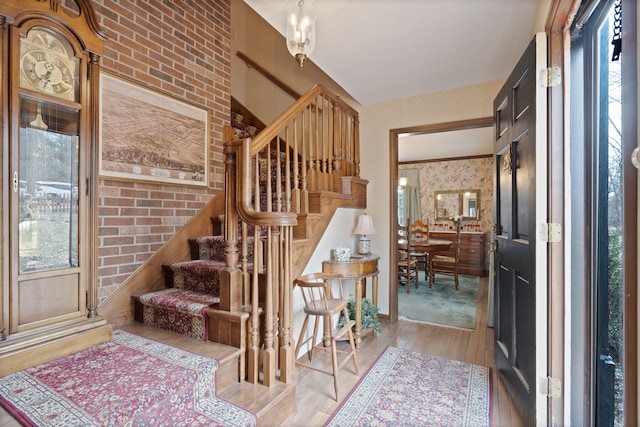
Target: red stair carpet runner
(130, 380)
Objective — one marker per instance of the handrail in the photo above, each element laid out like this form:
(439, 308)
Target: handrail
(259, 68)
(262, 139)
(310, 147)
(243, 192)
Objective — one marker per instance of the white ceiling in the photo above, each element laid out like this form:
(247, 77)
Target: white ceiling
(380, 50)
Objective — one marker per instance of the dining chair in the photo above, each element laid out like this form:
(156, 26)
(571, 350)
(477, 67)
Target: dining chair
(446, 265)
(319, 302)
(419, 232)
(407, 265)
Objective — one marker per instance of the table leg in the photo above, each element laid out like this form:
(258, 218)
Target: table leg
(374, 289)
(358, 310)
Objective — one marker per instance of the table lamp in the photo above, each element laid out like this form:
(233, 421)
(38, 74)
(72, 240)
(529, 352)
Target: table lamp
(364, 227)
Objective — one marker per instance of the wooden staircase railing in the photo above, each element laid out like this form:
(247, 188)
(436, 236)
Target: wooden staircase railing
(309, 147)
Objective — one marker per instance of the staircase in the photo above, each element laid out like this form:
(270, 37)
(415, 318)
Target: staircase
(232, 283)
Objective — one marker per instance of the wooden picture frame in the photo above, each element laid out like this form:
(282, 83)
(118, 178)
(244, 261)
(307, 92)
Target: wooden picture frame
(151, 136)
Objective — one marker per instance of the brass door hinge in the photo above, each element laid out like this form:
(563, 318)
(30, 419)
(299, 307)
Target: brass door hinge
(550, 232)
(551, 387)
(550, 77)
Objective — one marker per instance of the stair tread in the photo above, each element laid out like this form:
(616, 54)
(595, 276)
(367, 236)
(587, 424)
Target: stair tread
(198, 262)
(221, 352)
(266, 402)
(191, 300)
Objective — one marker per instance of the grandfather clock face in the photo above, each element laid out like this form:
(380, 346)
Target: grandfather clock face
(47, 64)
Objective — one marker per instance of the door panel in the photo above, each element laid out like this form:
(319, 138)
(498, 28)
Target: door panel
(34, 309)
(520, 323)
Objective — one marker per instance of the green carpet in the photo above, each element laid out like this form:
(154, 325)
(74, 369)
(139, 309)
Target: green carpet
(442, 304)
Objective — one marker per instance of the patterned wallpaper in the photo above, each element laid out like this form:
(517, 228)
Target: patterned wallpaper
(469, 174)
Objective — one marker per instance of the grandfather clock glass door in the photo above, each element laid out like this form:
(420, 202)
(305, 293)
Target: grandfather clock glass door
(47, 279)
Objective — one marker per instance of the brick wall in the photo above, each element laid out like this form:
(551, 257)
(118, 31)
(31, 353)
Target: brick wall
(180, 47)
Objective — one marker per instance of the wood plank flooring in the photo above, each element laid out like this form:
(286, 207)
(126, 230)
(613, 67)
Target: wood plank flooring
(315, 396)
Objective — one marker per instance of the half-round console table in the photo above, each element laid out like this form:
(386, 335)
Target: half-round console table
(358, 267)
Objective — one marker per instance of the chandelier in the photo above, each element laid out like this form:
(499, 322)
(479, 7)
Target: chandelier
(301, 27)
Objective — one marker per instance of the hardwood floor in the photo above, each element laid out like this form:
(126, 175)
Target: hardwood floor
(315, 397)
(315, 394)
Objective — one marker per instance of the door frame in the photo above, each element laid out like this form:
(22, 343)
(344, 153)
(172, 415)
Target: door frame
(562, 14)
(558, 279)
(393, 174)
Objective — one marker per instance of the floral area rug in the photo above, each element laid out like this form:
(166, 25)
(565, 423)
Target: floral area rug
(404, 388)
(441, 304)
(130, 380)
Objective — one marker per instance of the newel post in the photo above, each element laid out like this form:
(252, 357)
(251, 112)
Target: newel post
(231, 275)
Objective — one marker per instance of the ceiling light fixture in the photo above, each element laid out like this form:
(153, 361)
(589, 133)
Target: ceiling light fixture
(301, 27)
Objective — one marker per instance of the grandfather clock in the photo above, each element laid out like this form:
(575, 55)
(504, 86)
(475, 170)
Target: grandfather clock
(49, 54)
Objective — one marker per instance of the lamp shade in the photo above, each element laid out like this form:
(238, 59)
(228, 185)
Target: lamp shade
(301, 27)
(364, 225)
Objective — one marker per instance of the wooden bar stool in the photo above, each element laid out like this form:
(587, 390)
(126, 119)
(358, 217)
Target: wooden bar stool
(319, 302)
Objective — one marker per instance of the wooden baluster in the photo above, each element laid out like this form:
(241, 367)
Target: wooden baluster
(253, 350)
(307, 152)
(337, 149)
(244, 259)
(356, 145)
(347, 143)
(322, 181)
(313, 137)
(269, 192)
(304, 168)
(318, 140)
(327, 114)
(256, 184)
(278, 177)
(287, 175)
(287, 353)
(296, 171)
(304, 177)
(278, 264)
(312, 174)
(268, 358)
(326, 164)
(313, 147)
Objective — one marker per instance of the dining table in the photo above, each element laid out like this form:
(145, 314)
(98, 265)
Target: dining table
(430, 246)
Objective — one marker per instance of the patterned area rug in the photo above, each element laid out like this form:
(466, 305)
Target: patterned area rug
(404, 388)
(130, 380)
(441, 304)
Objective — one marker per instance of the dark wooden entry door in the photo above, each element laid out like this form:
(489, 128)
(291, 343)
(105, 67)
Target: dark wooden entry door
(519, 205)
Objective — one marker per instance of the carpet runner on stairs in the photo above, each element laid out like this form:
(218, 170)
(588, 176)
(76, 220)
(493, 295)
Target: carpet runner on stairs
(191, 287)
(178, 310)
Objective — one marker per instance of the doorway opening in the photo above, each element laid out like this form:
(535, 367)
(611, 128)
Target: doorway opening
(443, 131)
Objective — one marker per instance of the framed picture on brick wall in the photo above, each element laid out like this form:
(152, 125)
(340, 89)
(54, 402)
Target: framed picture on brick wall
(151, 136)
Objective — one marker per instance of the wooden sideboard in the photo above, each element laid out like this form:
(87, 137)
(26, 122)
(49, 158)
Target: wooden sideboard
(471, 258)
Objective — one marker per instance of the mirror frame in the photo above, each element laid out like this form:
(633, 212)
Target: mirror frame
(460, 211)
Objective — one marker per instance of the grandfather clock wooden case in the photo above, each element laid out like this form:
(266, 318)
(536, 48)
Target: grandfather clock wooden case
(49, 82)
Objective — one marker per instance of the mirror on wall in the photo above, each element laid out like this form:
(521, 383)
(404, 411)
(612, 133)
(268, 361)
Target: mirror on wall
(457, 202)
